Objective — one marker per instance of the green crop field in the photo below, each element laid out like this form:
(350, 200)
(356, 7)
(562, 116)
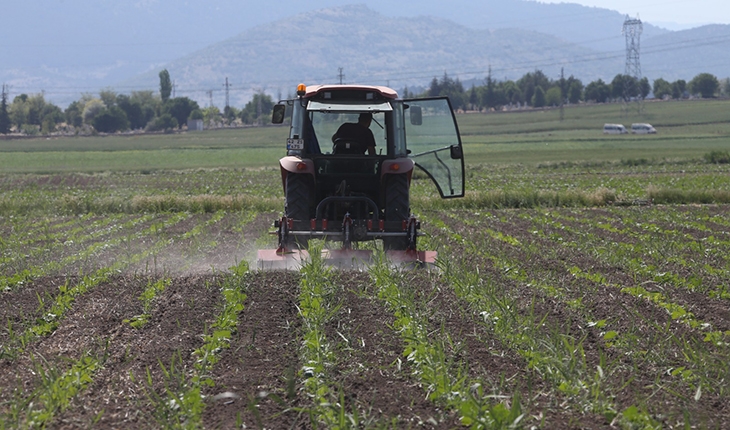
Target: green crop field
(582, 282)
(687, 130)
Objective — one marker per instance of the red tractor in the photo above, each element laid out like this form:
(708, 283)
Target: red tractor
(350, 157)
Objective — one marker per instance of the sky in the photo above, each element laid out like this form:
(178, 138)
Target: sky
(687, 13)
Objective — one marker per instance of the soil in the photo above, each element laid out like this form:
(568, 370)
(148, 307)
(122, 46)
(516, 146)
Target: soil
(258, 383)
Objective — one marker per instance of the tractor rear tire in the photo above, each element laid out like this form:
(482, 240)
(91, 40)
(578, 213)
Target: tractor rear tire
(299, 198)
(397, 208)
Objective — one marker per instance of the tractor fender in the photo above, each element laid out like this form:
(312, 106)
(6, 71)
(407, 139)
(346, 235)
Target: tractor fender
(397, 166)
(292, 164)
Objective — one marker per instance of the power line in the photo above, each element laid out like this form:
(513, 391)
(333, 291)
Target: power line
(422, 74)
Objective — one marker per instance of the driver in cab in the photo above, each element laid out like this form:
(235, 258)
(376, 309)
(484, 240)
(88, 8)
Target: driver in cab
(355, 138)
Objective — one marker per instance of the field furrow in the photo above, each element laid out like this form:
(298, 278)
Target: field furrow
(509, 250)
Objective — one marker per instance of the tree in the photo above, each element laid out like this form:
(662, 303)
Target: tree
(553, 97)
(704, 84)
(111, 120)
(530, 81)
(180, 109)
(165, 85)
(725, 87)
(164, 122)
(644, 87)
(258, 108)
(434, 89)
(197, 114)
(575, 91)
(473, 98)
(597, 91)
(109, 97)
(489, 96)
(19, 111)
(678, 88)
(538, 99)
(92, 108)
(211, 116)
(149, 103)
(51, 115)
(662, 88)
(4, 116)
(230, 114)
(36, 104)
(624, 87)
(73, 114)
(512, 93)
(28, 110)
(133, 110)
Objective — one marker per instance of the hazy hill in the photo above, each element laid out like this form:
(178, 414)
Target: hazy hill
(371, 48)
(80, 42)
(376, 49)
(684, 54)
(67, 47)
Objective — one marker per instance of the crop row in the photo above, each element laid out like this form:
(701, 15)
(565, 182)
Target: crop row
(24, 339)
(525, 322)
(548, 264)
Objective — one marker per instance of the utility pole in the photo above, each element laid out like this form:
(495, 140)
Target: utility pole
(562, 94)
(341, 76)
(210, 96)
(632, 31)
(173, 89)
(228, 99)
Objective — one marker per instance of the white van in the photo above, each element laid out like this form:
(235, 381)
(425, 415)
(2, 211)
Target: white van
(642, 129)
(614, 129)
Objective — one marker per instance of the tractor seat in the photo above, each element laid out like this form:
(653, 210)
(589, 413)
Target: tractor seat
(345, 146)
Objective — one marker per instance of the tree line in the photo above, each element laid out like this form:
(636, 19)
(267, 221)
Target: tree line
(110, 112)
(535, 89)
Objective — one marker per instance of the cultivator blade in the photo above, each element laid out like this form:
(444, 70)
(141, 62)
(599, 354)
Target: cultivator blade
(345, 259)
(272, 259)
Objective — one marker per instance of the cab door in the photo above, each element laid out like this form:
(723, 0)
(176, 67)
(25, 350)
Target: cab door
(434, 144)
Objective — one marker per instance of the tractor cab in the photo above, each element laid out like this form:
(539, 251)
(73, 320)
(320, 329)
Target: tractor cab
(351, 153)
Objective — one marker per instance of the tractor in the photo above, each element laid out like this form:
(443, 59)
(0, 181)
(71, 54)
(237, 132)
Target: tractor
(351, 155)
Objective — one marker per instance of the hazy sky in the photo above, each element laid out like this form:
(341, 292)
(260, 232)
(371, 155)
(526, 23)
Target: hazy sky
(684, 12)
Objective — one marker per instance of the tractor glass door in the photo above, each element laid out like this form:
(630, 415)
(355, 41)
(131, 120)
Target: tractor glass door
(432, 136)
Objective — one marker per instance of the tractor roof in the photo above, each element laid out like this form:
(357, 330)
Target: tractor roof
(385, 92)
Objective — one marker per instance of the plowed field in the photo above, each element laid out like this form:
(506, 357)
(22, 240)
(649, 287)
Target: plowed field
(609, 317)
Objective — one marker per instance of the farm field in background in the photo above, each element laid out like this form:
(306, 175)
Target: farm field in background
(570, 292)
(687, 130)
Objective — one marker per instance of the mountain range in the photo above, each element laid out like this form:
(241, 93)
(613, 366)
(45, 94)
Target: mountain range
(69, 47)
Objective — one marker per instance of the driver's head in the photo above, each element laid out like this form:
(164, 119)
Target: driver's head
(365, 119)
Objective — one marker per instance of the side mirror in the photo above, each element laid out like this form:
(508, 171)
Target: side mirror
(416, 115)
(456, 152)
(277, 117)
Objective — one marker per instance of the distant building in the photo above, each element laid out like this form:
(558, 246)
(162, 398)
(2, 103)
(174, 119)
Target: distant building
(195, 125)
